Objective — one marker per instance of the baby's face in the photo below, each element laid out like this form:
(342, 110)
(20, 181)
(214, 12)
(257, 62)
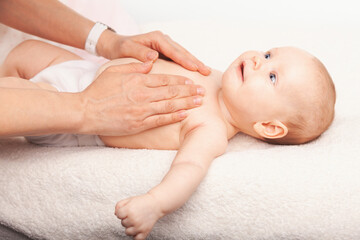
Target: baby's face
(260, 86)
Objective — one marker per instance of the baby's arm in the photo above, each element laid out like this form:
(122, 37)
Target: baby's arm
(200, 146)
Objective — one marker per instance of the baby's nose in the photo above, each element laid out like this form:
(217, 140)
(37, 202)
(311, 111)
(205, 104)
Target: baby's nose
(257, 62)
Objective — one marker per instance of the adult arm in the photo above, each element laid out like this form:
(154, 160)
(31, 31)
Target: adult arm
(121, 101)
(37, 111)
(46, 18)
(198, 150)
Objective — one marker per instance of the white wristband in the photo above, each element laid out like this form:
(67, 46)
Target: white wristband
(94, 35)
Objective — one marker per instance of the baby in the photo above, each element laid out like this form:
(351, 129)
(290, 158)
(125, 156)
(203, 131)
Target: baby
(282, 96)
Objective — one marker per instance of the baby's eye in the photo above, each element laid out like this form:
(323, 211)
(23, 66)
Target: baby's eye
(267, 55)
(272, 78)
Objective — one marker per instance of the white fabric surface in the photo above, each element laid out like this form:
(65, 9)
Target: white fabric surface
(71, 76)
(253, 191)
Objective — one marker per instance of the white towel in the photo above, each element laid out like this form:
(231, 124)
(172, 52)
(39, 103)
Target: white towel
(253, 191)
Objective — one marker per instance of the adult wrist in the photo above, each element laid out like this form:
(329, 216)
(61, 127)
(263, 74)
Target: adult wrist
(105, 45)
(83, 123)
(94, 36)
(74, 104)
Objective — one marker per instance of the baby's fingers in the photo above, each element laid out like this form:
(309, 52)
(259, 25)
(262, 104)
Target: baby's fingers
(131, 231)
(119, 209)
(122, 203)
(140, 236)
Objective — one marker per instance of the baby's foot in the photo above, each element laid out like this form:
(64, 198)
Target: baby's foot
(138, 215)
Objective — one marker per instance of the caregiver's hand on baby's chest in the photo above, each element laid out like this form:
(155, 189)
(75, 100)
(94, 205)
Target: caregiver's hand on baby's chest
(146, 47)
(123, 100)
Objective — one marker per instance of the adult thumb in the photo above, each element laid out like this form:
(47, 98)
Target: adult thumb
(137, 67)
(140, 52)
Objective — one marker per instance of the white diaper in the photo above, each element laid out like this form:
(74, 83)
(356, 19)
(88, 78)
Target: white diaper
(71, 76)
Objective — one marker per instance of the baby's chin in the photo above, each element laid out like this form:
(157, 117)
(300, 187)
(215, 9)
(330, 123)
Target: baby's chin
(229, 81)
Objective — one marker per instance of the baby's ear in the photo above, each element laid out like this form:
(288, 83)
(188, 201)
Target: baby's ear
(271, 129)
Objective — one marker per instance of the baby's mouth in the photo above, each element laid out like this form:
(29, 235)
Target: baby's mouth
(242, 71)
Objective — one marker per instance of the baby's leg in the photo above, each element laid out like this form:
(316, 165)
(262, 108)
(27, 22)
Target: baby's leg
(31, 56)
(16, 82)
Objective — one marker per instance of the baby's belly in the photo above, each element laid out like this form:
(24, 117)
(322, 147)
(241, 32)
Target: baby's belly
(162, 138)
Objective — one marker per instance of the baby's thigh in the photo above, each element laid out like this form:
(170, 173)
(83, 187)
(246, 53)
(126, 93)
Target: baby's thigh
(15, 82)
(32, 56)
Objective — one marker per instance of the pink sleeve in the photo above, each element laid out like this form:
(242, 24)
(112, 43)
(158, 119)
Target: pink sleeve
(110, 12)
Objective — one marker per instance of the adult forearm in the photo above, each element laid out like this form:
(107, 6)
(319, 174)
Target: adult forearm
(46, 19)
(27, 112)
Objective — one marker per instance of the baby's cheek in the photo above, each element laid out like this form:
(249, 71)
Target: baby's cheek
(251, 102)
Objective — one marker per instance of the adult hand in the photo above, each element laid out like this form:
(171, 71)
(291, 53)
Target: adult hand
(146, 47)
(125, 100)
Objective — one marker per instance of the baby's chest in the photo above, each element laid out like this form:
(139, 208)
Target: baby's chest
(162, 138)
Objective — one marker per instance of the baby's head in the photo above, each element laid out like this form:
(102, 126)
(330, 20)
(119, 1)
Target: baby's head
(283, 96)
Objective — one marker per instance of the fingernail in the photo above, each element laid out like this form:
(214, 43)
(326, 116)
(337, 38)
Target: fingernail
(182, 114)
(205, 69)
(193, 66)
(148, 63)
(200, 91)
(151, 55)
(188, 82)
(197, 100)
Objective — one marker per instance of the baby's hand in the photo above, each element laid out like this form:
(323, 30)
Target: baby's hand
(138, 215)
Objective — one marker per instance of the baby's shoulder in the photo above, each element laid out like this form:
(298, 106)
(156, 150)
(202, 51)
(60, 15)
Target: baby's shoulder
(211, 121)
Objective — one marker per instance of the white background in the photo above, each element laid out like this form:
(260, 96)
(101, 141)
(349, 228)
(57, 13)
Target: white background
(330, 30)
(255, 23)
(320, 11)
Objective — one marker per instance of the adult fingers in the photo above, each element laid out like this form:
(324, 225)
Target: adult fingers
(174, 91)
(167, 112)
(164, 119)
(139, 51)
(158, 80)
(204, 70)
(173, 105)
(171, 110)
(131, 68)
(180, 55)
